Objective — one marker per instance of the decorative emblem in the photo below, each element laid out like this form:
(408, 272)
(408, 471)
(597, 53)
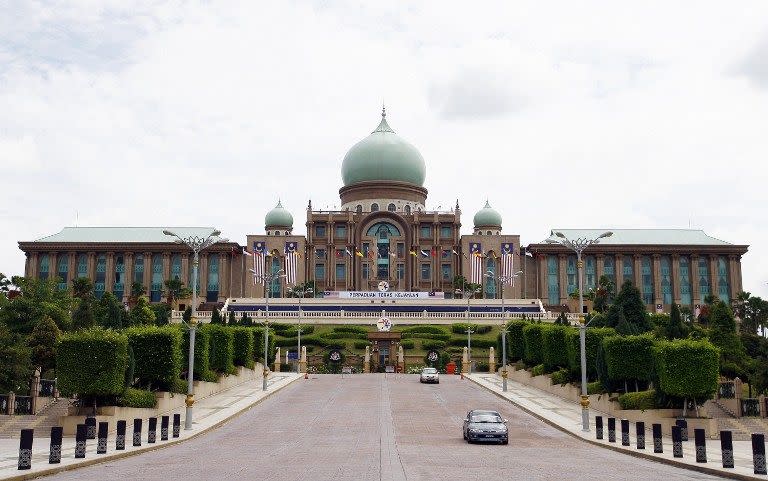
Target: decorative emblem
(432, 356)
(384, 324)
(383, 286)
(335, 356)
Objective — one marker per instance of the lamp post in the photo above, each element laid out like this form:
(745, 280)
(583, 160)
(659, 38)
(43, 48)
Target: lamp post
(578, 245)
(468, 293)
(503, 279)
(268, 279)
(301, 293)
(197, 244)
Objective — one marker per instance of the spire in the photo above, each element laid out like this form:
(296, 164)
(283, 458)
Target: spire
(487, 204)
(279, 204)
(383, 125)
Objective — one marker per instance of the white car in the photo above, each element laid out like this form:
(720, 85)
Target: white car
(429, 374)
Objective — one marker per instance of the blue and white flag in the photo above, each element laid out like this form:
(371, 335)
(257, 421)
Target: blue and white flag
(290, 262)
(259, 255)
(476, 262)
(508, 262)
(424, 253)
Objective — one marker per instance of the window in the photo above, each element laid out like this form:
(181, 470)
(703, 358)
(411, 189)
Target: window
(722, 278)
(571, 275)
(99, 283)
(42, 272)
(666, 279)
(445, 232)
(138, 269)
(426, 272)
(704, 288)
(119, 287)
(401, 271)
(446, 272)
(590, 279)
(274, 288)
(400, 250)
(426, 231)
(359, 209)
(629, 268)
(82, 265)
(156, 285)
(374, 207)
(609, 268)
(647, 273)
(341, 231)
(391, 207)
(320, 253)
(388, 230)
(488, 233)
(212, 294)
(320, 230)
(63, 271)
(319, 271)
(407, 209)
(366, 249)
(553, 281)
(176, 266)
(340, 253)
(445, 254)
(341, 272)
(685, 281)
(366, 271)
(490, 282)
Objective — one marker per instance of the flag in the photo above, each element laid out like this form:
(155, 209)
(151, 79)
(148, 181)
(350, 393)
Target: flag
(339, 254)
(393, 254)
(245, 251)
(348, 252)
(290, 262)
(413, 253)
(259, 260)
(475, 249)
(424, 253)
(508, 262)
(434, 252)
(358, 253)
(454, 251)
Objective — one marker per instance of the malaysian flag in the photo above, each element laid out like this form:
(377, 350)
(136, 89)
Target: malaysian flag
(290, 262)
(476, 260)
(508, 262)
(259, 260)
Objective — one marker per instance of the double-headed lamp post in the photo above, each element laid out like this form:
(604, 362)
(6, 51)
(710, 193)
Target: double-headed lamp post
(197, 244)
(300, 293)
(503, 279)
(578, 245)
(468, 293)
(268, 279)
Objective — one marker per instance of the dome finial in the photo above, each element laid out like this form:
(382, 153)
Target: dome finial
(383, 125)
(383, 110)
(487, 204)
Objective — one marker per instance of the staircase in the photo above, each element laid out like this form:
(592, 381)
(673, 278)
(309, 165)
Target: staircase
(42, 422)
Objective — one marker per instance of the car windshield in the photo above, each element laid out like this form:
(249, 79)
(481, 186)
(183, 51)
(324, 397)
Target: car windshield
(485, 418)
(429, 370)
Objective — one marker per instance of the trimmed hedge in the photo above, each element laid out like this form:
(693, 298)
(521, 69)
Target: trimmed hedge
(425, 328)
(537, 370)
(258, 345)
(444, 336)
(629, 357)
(286, 341)
(351, 329)
(638, 400)
(516, 340)
(345, 335)
(363, 344)
(242, 347)
(137, 398)
(593, 340)
(406, 343)
(553, 344)
(294, 332)
(561, 376)
(432, 344)
(202, 368)
(687, 368)
(157, 355)
(314, 340)
(92, 362)
(532, 335)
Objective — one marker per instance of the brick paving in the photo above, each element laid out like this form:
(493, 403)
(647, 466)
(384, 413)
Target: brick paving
(378, 427)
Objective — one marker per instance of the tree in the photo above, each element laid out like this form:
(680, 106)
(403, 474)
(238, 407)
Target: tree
(187, 316)
(246, 320)
(109, 312)
(722, 334)
(175, 290)
(84, 316)
(630, 303)
(298, 288)
(5, 284)
(15, 359)
(82, 288)
(141, 313)
(42, 343)
(216, 317)
(623, 327)
(675, 328)
(162, 313)
(137, 290)
(39, 298)
(562, 320)
(604, 293)
(231, 318)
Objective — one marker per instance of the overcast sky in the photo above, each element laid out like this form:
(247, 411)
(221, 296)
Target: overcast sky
(582, 114)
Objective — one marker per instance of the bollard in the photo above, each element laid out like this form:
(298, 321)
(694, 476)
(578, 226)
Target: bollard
(758, 453)
(625, 432)
(640, 431)
(80, 437)
(137, 432)
(658, 446)
(25, 448)
(700, 441)
(176, 425)
(683, 424)
(164, 428)
(152, 430)
(101, 444)
(726, 447)
(90, 421)
(54, 457)
(611, 430)
(677, 442)
(120, 436)
(599, 427)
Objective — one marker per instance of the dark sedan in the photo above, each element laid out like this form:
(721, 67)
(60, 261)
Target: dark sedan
(485, 426)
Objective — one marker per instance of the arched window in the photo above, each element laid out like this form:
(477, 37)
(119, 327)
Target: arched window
(63, 271)
(488, 233)
(685, 281)
(647, 277)
(138, 269)
(704, 288)
(119, 287)
(212, 295)
(391, 207)
(82, 265)
(722, 278)
(99, 283)
(176, 266)
(609, 268)
(374, 207)
(590, 269)
(42, 272)
(407, 209)
(359, 209)
(666, 280)
(571, 275)
(553, 281)
(156, 292)
(274, 290)
(490, 282)
(479, 232)
(382, 231)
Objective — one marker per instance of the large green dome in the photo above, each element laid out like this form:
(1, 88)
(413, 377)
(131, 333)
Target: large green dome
(279, 217)
(487, 217)
(383, 155)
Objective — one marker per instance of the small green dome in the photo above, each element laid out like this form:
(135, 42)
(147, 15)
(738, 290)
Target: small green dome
(487, 217)
(383, 155)
(279, 217)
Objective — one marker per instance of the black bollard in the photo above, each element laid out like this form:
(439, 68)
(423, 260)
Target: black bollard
(758, 453)
(625, 432)
(701, 445)
(599, 427)
(164, 428)
(120, 435)
(726, 447)
(683, 424)
(677, 442)
(80, 437)
(54, 457)
(152, 430)
(176, 425)
(101, 444)
(611, 430)
(658, 446)
(640, 430)
(25, 448)
(137, 432)
(90, 421)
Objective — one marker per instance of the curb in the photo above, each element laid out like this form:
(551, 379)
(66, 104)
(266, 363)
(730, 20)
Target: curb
(637, 454)
(142, 450)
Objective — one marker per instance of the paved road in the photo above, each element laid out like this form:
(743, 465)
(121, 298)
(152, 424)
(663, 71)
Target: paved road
(378, 427)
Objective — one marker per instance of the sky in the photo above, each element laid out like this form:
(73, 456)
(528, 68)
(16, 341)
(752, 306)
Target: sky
(589, 114)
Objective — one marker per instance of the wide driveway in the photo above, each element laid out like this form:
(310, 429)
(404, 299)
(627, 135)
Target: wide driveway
(377, 427)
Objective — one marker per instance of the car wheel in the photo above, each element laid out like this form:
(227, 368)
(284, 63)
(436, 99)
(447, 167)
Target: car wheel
(437, 382)
(506, 441)
(465, 436)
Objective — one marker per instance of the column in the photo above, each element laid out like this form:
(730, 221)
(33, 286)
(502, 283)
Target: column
(128, 274)
(185, 269)
(92, 266)
(543, 290)
(714, 281)
(72, 267)
(147, 272)
(53, 268)
(657, 299)
(638, 271)
(224, 270)
(202, 289)
(619, 270)
(562, 277)
(27, 269)
(676, 278)
(600, 267)
(740, 285)
(109, 279)
(733, 275)
(695, 297)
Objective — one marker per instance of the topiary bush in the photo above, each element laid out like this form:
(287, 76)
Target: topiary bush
(533, 334)
(351, 329)
(461, 327)
(516, 344)
(157, 355)
(242, 347)
(561, 376)
(629, 358)
(638, 400)
(202, 368)
(687, 368)
(258, 344)
(364, 344)
(137, 398)
(553, 346)
(432, 344)
(92, 363)
(593, 340)
(314, 340)
(537, 370)
(444, 336)
(594, 388)
(286, 341)
(406, 343)
(344, 335)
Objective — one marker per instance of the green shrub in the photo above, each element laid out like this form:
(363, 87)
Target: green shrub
(483, 329)
(242, 347)
(561, 376)
(364, 344)
(293, 331)
(202, 365)
(425, 329)
(461, 327)
(444, 336)
(593, 340)
(258, 345)
(432, 344)
(638, 400)
(686, 368)
(137, 398)
(280, 327)
(92, 363)
(553, 345)
(221, 347)
(406, 343)
(157, 355)
(629, 358)
(533, 333)
(483, 366)
(537, 370)
(314, 340)
(351, 329)
(594, 387)
(286, 341)
(179, 386)
(516, 344)
(345, 335)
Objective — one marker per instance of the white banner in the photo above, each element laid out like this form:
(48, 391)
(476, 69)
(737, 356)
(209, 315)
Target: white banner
(382, 295)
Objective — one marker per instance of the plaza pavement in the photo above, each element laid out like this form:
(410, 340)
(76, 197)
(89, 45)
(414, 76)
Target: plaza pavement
(209, 412)
(566, 416)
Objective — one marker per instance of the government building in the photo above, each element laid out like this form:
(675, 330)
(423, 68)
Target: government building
(383, 234)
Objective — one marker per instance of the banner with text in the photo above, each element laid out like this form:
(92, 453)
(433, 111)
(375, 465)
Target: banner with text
(382, 295)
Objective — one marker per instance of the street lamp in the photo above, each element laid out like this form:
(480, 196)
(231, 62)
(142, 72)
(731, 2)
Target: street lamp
(468, 293)
(503, 279)
(578, 245)
(268, 279)
(300, 293)
(197, 244)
